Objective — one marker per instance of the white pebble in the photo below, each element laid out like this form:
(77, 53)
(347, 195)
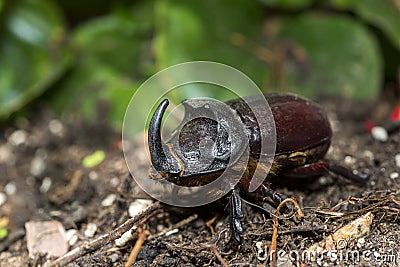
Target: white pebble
(126, 237)
(394, 175)
(368, 154)
(6, 155)
(349, 160)
(114, 182)
(56, 128)
(90, 230)
(93, 175)
(3, 198)
(109, 200)
(45, 186)
(397, 159)
(10, 188)
(379, 133)
(37, 166)
(114, 257)
(72, 236)
(138, 206)
(173, 231)
(18, 137)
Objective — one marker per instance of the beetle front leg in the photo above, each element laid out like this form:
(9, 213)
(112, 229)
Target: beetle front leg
(236, 214)
(273, 195)
(323, 167)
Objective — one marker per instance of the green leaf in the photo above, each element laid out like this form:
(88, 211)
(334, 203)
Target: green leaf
(383, 14)
(3, 233)
(94, 159)
(33, 54)
(203, 30)
(341, 56)
(114, 57)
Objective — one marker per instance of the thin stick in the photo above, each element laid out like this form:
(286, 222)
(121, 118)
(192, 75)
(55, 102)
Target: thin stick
(210, 223)
(275, 228)
(103, 240)
(218, 255)
(138, 245)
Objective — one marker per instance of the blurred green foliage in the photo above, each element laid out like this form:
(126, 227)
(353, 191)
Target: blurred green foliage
(82, 56)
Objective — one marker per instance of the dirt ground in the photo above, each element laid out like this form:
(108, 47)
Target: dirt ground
(39, 149)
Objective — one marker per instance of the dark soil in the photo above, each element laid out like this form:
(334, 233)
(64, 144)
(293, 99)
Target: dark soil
(34, 150)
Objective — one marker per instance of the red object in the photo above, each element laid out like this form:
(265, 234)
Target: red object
(369, 125)
(395, 116)
(377, 132)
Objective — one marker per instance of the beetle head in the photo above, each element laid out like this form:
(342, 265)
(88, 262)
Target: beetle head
(210, 138)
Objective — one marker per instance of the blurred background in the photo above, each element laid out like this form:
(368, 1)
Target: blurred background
(82, 56)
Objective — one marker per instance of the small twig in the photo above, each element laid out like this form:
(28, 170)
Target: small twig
(276, 223)
(218, 255)
(138, 245)
(209, 224)
(175, 226)
(103, 240)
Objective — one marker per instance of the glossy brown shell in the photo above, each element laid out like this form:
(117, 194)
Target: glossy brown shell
(300, 123)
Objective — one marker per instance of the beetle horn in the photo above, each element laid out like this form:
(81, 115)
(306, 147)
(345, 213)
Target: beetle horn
(162, 159)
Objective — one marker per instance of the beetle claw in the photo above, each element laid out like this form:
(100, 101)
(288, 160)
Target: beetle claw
(236, 215)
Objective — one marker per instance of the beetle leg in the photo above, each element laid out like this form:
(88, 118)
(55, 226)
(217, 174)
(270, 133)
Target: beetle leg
(236, 215)
(348, 174)
(323, 167)
(274, 196)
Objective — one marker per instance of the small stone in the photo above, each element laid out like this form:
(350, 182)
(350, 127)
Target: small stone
(72, 236)
(47, 237)
(369, 155)
(397, 159)
(114, 257)
(37, 166)
(10, 188)
(18, 137)
(3, 198)
(56, 128)
(394, 175)
(114, 182)
(93, 175)
(172, 232)
(109, 200)
(138, 206)
(45, 186)
(6, 155)
(379, 133)
(349, 160)
(160, 227)
(90, 230)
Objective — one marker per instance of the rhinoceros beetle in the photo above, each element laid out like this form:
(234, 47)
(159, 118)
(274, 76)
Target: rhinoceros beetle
(303, 136)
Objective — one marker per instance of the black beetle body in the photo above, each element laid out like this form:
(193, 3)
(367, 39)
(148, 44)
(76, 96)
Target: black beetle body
(303, 136)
